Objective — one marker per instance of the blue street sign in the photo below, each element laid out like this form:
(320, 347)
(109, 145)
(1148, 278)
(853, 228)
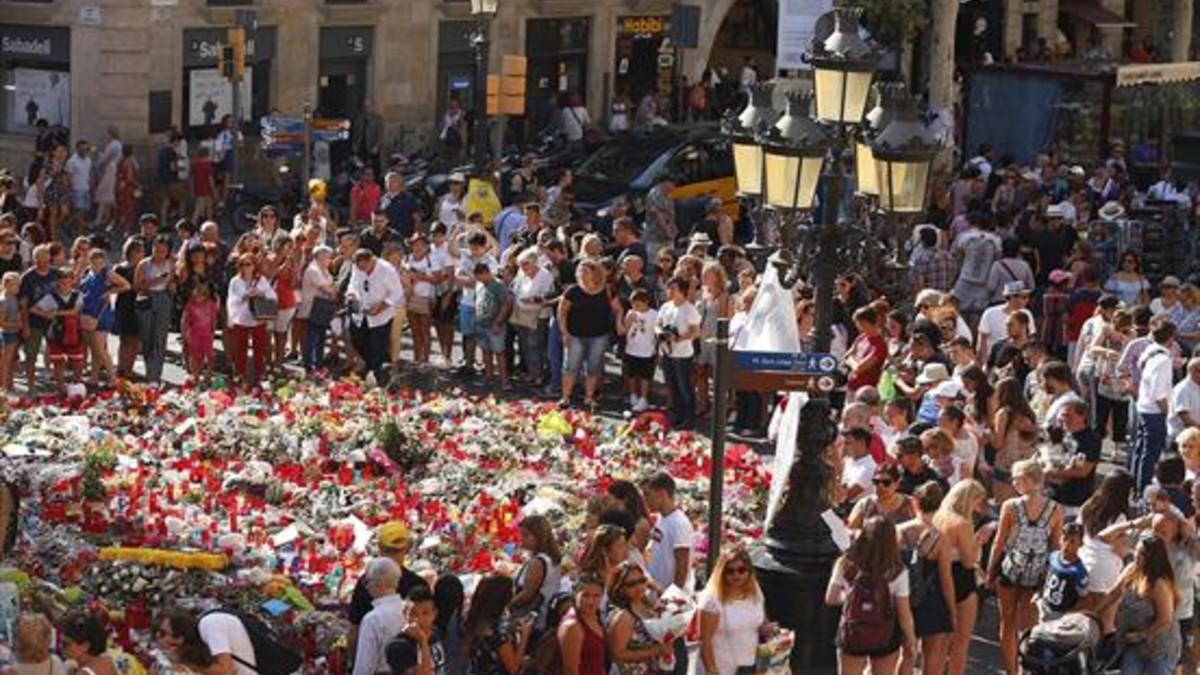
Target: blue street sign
(804, 364)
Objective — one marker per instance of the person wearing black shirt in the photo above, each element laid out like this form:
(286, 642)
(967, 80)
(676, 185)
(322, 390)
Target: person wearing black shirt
(10, 257)
(914, 472)
(401, 208)
(394, 542)
(633, 277)
(626, 241)
(1053, 245)
(379, 233)
(1073, 484)
(1009, 353)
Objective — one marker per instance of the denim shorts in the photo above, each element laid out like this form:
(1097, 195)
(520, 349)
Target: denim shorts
(586, 352)
(491, 341)
(81, 200)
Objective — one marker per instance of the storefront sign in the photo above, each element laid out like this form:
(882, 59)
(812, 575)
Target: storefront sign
(797, 19)
(35, 43)
(644, 25)
(210, 96)
(39, 94)
(1158, 73)
(338, 42)
(202, 45)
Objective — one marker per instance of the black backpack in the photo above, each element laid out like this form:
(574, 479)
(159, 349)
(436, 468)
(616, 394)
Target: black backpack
(271, 655)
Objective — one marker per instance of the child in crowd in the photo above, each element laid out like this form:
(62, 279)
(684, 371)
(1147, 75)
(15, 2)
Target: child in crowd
(445, 301)
(491, 314)
(63, 307)
(1067, 578)
(10, 328)
(637, 326)
(199, 327)
(424, 273)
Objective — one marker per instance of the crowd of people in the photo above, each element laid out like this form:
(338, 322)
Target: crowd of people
(975, 417)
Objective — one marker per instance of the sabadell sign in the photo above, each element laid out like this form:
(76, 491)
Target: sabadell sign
(36, 43)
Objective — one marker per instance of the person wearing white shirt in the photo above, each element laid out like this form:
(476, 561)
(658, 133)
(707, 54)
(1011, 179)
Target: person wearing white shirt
(1153, 404)
(229, 643)
(532, 288)
(248, 286)
(386, 619)
(1185, 401)
(858, 467)
(673, 537)
(376, 293)
(79, 171)
(451, 209)
(993, 323)
(679, 324)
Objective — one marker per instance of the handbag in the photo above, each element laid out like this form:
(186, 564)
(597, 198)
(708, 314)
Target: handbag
(264, 308)
(322, 311)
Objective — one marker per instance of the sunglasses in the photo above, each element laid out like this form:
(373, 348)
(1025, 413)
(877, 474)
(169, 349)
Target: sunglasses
(885, 482)
(738, 569)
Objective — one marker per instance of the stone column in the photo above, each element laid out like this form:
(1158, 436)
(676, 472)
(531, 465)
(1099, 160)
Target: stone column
(1181, 38)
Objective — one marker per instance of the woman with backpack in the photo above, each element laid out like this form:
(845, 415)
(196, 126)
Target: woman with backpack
(871, 584)
(539, 578)
(1030, 527)
(177, 634)
(927, 554)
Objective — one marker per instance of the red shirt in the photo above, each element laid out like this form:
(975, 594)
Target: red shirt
(867, 348)
(202, 173)
(365, 197)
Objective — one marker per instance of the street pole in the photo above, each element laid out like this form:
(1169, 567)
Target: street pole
(825, 273)
(716, 481)
(479, 42)
(237, 123)
(307, 143)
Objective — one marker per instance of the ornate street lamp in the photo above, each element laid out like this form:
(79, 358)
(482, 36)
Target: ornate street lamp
(794, 153)
(843, 66)
(904, 151)
(873, 121)
(744, 132)
(483, 11)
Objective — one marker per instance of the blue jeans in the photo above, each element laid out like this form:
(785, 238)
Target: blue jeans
(1149, 443)
(314, 346)
(1133, 663)
(554, 352)
(678, 374)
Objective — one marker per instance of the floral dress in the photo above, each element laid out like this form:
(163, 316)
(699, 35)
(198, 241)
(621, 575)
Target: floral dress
(485, 653)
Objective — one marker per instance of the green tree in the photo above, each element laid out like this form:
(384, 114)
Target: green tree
(891, 22)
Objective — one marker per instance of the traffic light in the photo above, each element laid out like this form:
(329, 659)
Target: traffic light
(237, 40)
(225, 62)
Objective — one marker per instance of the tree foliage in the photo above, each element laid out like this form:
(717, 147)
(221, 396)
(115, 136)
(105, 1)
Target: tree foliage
(892, 21)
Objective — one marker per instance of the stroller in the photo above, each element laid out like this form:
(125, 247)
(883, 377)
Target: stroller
(1068, 645)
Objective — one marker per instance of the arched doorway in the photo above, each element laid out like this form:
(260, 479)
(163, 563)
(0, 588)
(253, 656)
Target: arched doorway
(746, 35)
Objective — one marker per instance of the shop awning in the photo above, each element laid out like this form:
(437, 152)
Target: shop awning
(1158, 73)
(1094, 14)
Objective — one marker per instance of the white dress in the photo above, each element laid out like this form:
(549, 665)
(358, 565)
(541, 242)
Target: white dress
(735, 641)
(106, 188)
(1102, 562)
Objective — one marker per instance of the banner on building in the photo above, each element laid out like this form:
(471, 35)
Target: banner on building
(210, 96)
(797, 21)
(39, 94)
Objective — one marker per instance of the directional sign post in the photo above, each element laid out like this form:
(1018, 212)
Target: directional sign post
(782, 371)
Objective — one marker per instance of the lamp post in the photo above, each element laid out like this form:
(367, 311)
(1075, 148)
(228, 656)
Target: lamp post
(801, 158)
(745, 132)
(483, 11)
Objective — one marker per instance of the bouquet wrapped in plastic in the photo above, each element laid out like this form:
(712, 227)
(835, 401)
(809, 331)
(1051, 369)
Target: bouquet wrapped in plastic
(675, 609)
(774, 652)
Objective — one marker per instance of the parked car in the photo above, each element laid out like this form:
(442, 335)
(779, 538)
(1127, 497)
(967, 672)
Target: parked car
(697, 156)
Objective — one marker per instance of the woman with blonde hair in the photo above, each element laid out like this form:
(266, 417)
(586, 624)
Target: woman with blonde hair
(1188, 441)
(955, 521)
(31, 644)
(538, 580)
(1030, 529)
(732, 615)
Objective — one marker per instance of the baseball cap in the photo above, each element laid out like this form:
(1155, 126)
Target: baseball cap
(394, 535)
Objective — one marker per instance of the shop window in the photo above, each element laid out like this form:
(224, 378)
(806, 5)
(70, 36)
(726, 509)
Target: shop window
(35, 76)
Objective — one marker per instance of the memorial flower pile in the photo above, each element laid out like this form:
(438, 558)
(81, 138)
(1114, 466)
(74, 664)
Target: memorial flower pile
(142, 496)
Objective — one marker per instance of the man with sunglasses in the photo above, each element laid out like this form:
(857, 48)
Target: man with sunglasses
(376, 291)
(914, 472)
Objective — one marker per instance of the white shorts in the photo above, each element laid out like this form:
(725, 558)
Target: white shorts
(283, 320)
(1104, 568)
